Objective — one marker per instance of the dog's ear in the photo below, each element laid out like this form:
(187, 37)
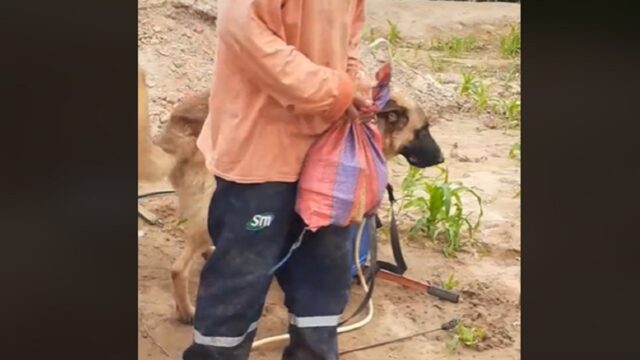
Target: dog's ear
(394, 115)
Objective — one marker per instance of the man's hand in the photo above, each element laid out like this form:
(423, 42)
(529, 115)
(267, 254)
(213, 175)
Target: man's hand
(359, 104)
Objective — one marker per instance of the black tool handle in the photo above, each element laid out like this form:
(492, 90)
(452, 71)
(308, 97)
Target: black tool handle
(443, 294)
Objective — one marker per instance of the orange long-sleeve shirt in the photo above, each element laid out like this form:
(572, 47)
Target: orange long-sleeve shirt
(284, 72)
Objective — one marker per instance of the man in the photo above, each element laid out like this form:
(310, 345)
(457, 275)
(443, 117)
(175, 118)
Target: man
(285, 71)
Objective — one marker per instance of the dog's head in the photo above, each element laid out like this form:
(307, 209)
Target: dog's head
(405, 131)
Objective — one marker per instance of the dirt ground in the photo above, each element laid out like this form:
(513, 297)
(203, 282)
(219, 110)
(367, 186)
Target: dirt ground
(176, 46)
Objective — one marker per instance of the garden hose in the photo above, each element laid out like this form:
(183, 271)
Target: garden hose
(341, 329)
(156, 193)
(449, 325)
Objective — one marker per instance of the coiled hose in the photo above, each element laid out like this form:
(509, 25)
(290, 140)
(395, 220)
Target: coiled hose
(345, 328)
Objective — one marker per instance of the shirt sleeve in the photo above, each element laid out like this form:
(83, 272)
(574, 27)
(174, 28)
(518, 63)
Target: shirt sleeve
(254, 29)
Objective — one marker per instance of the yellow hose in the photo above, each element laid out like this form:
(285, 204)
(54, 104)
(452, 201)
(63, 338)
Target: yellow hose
(341, 329)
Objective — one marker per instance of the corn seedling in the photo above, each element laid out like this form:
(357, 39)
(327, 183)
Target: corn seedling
(456, 46)
(410, 183)
(479, 93)
(510, 109)
(468, 336)
(451, 283)
(468, 81)
(512, 72)
(514, 152)
(439, 203)
(393, 34)
(510, 43)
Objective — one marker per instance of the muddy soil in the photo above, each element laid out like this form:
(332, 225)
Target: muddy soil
(176, 46)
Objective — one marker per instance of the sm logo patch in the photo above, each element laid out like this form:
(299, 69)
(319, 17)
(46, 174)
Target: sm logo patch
(260, 221)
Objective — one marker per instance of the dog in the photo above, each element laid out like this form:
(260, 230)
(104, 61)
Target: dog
(402, 123)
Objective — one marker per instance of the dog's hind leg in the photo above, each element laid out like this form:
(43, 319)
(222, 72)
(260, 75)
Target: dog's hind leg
(197, 242)
(180, 276)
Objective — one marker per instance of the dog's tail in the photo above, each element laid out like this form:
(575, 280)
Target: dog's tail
(153, 163)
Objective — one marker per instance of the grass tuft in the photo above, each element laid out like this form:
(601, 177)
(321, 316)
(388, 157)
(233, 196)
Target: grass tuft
(510, 43)
(456, 46)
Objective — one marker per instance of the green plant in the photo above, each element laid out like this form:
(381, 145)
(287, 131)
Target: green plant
(514, 152)
(479, 92)
(510, 109)
(451, 283)
(440, 206)
(468, 82)
(456, 46)
(412, 181)
(393, 33)
(476, 89)
(468, 336)
(514, 70)
(510, 43)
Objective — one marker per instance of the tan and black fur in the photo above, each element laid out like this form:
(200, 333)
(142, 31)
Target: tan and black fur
(403, 124)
